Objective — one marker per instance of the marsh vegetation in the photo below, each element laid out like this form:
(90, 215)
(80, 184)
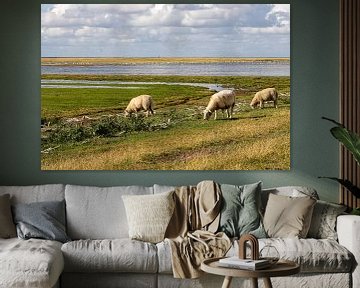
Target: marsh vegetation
(84, 129)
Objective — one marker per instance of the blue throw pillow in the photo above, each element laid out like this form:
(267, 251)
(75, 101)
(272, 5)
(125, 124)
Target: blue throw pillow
(43, 220)
(240, 212)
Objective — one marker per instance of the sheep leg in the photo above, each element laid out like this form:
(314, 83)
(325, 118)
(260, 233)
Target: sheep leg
(215, 115)
(228, 113)
(231, 111)
(275, 103)
(261, 104)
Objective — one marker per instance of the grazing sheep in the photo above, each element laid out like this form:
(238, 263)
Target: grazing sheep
(268, 94)
(224, 100)
(142, 102)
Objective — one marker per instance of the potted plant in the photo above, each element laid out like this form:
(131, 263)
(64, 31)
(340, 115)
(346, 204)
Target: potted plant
(351, 141)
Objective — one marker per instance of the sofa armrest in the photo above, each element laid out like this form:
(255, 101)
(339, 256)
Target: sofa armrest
(348, 230)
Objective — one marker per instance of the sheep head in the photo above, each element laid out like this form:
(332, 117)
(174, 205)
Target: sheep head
(127, 113)
(207, 114)
(254, 103)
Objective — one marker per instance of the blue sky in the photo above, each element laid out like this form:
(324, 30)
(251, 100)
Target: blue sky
(165, 30)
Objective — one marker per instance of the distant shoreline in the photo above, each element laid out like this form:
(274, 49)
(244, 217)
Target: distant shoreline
(81, 61)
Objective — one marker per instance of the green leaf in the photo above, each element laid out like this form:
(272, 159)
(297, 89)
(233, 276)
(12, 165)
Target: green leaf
(331, 120)
(348, 138)
(348, 185)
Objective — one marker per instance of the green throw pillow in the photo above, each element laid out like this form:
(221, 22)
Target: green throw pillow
(240, 212)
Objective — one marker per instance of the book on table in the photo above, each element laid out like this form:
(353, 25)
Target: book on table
(249, 264)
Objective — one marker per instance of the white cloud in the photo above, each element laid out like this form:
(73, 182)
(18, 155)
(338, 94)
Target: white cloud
(281, 14)
(57, 32)
(159, 29)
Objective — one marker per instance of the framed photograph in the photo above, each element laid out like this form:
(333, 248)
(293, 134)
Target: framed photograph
(165, 87)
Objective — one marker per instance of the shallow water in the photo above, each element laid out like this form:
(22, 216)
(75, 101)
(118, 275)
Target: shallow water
(256, 68)
(53, 83)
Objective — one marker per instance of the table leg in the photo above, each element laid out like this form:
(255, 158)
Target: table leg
(254, 282)
(267, 283)
(227, 282)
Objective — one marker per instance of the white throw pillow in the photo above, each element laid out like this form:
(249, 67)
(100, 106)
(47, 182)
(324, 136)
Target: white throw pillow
(149, 215)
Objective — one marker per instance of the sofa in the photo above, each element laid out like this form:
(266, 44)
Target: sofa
(99, 252)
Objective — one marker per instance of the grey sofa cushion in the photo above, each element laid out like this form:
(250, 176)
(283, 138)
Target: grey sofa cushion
(44, 220)
(163, 188)
(117, 255)
(34, 193)
(30, 263)
(98, 212)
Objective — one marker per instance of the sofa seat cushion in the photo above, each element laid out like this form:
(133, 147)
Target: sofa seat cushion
(313, 255)
(30, 263)
(110, 255)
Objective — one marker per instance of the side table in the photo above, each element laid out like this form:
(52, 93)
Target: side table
(281, 268)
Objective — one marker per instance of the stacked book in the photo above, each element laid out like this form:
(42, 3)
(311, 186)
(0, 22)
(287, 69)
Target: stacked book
(248, 264)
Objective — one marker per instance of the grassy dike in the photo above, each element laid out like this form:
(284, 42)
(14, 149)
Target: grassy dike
(175, 138)
(71, 61)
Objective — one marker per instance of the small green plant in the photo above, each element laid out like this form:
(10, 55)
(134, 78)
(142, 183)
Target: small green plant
(351, 141)
(65, 133)
(106, 127)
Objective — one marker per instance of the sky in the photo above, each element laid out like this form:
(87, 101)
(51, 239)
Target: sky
(165, 30)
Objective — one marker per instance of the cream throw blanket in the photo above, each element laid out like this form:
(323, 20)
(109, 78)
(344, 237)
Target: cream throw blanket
(191, 231)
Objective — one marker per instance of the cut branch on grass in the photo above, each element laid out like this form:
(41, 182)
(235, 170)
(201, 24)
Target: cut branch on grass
(48, 150)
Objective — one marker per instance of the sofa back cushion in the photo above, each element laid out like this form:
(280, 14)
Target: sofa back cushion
(35, 193)
(163, 188)
(98, 212)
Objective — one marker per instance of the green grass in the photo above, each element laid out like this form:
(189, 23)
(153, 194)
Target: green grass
(175, 138)
(249, 83)
(72, 102)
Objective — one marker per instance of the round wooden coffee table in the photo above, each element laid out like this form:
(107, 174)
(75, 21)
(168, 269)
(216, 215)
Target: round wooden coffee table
(281, 268)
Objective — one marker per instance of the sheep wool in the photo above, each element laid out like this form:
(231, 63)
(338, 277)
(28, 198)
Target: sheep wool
(265, 95)
(142, 102)
(224, 100)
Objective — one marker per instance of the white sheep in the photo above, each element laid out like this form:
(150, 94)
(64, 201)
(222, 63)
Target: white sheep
(142, 102)
(224, 100)
(268, 94)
